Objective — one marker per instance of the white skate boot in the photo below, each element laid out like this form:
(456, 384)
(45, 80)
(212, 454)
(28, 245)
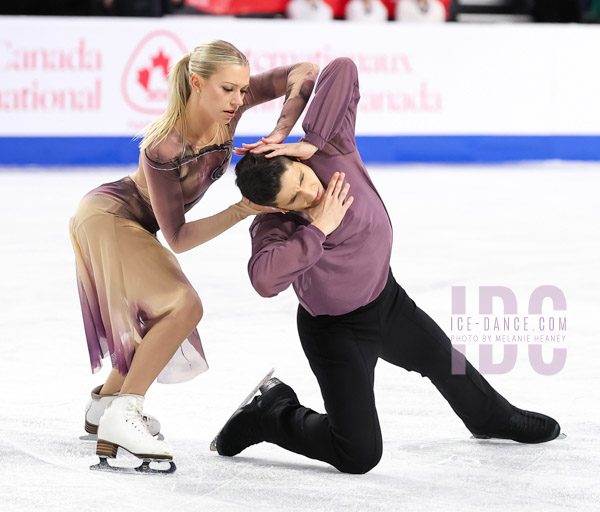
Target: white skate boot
(121, 426)
(95, 409)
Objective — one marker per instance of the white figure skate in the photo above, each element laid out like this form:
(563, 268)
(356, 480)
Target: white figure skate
(95, 409)
(121, 426)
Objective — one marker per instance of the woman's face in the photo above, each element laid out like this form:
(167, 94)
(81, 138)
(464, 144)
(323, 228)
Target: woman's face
(223, 92)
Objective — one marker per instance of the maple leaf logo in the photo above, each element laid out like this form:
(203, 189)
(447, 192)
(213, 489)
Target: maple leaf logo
(144, 77)
(144, 83)
(161, 61)
(160, 64)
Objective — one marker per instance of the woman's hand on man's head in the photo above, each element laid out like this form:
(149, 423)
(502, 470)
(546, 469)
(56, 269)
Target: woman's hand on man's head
(302, 150)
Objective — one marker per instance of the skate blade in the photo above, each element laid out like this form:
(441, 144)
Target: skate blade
(562, 435)
(246, 401)
(143, 468)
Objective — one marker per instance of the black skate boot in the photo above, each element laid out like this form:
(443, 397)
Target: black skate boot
(244, 428)
(525, 427)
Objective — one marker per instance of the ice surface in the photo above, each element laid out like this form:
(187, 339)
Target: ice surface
(519, 226)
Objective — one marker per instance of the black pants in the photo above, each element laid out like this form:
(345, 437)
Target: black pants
(343, 351)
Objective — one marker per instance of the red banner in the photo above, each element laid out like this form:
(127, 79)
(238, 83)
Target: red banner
(242, 7)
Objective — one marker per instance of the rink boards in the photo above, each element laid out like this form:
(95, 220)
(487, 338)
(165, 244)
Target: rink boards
(76, 90)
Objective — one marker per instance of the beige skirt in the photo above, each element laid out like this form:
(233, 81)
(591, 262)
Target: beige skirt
(124, 277)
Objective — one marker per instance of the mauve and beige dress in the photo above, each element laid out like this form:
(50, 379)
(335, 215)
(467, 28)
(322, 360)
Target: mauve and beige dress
(126, 278)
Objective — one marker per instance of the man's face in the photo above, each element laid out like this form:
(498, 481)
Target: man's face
(300, 188)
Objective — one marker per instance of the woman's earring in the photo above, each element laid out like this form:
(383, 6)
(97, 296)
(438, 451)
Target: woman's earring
(197, 90)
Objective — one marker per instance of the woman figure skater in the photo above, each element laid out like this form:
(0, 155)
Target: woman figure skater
(138, 307)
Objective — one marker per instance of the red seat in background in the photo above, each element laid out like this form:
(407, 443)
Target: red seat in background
(247, 7)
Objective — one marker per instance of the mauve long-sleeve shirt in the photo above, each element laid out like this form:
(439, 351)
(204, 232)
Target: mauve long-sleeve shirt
(335, 274)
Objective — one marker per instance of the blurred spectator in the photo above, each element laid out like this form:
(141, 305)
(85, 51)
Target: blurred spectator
(420, 11)
(594, 11)
(309, 10)
(147, 8)
(366, 10)
(44, 8)
(557, 11)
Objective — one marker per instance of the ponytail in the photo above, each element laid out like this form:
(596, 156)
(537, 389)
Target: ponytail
(179, 92)
(204, 61)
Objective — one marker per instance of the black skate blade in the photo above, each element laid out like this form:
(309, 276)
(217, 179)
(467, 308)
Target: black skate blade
(143, 468)
(480, 437)
(494, 440)
(246, 401)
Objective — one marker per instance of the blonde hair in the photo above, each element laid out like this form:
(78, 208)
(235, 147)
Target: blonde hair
(204, 61)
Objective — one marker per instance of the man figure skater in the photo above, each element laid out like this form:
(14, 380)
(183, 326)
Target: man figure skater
(335, 250)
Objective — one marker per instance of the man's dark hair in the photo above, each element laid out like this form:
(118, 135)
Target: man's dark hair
(259, 178)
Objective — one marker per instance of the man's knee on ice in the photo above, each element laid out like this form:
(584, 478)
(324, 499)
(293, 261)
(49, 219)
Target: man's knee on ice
(360, 460)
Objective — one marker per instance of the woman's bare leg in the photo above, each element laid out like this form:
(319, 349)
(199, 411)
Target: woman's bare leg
(113, 384)
(161, 342)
